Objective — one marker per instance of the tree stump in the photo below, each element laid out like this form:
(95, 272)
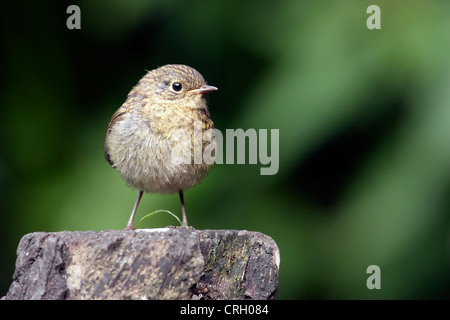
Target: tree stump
(165, 263)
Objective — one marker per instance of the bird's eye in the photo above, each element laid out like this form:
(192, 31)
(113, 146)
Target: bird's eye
(176, 86)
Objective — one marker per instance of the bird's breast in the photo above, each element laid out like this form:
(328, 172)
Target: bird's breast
(146, 149)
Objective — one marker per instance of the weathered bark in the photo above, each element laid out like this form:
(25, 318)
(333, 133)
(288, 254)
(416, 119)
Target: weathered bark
(167, 263)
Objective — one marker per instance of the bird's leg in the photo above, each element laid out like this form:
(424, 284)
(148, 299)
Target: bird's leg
(180, 192)
(130, 222)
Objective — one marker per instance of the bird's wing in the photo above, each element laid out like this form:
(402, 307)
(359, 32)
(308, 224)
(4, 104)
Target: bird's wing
(115, 117)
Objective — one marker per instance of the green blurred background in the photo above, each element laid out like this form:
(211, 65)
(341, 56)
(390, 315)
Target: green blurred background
(364, 120)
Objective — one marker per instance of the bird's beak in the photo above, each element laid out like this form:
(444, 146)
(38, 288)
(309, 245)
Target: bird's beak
(203, 89)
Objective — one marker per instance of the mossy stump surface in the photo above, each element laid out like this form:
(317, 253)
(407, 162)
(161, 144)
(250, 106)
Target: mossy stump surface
(166, 263)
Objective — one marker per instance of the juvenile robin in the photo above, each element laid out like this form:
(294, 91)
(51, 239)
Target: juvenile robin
(142, 134)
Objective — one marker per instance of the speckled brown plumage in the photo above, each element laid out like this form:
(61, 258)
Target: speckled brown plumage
(141, 136)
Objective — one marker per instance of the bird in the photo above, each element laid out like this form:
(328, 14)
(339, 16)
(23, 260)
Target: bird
(144, 133)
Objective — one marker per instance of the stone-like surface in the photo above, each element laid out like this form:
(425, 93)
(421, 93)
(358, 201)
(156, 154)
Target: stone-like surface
(165, 263)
